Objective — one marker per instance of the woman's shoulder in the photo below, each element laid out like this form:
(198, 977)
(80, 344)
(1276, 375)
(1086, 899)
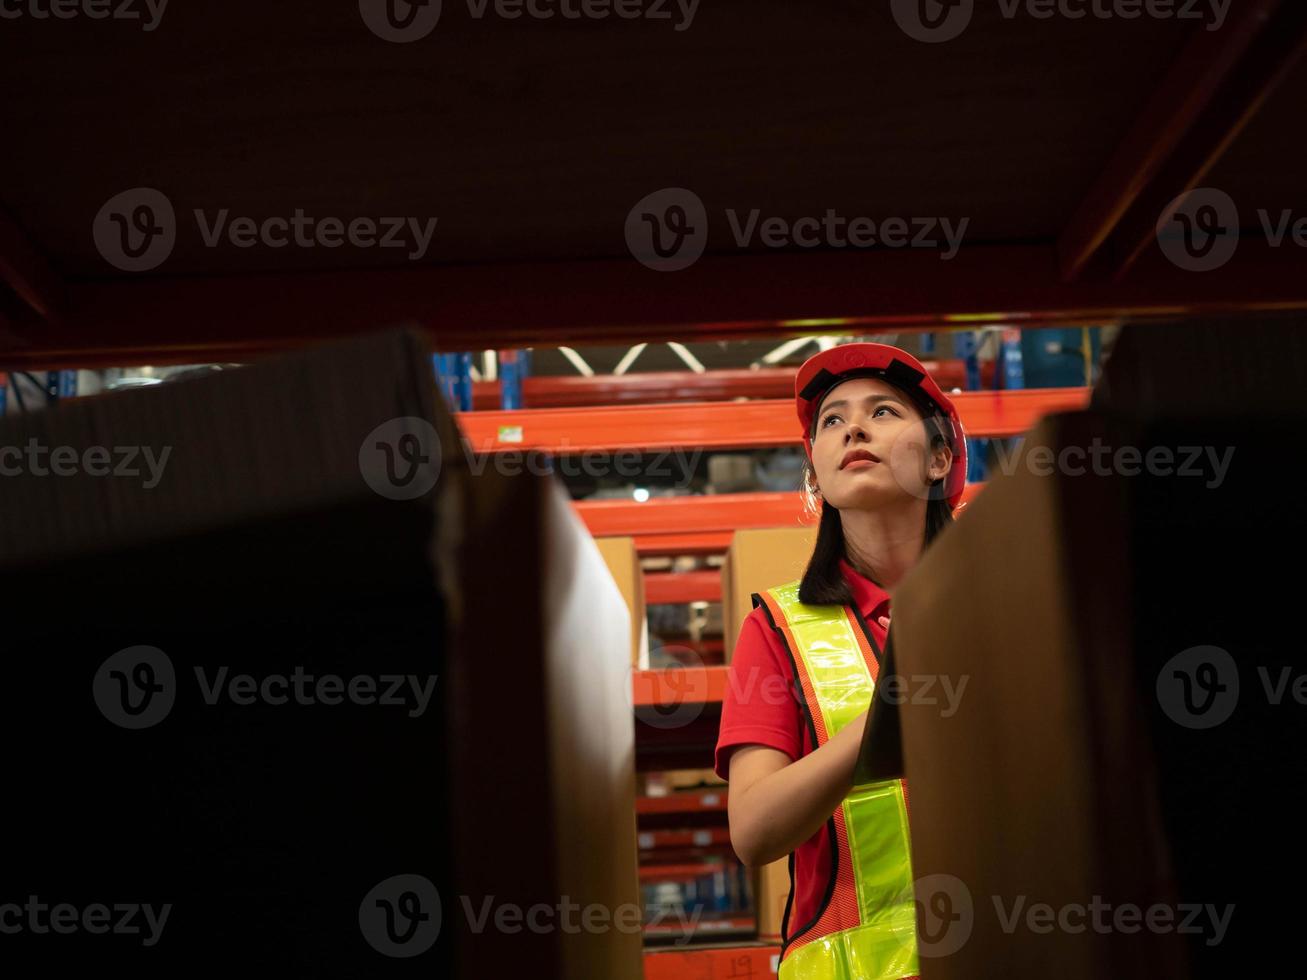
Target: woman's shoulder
(758, 639)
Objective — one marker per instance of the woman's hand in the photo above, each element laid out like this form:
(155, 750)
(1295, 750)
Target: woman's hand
(884, 621)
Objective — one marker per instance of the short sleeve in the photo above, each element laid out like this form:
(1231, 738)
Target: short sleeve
(759, 707)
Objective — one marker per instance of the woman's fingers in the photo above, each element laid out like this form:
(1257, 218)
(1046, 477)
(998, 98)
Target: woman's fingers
(884, 621)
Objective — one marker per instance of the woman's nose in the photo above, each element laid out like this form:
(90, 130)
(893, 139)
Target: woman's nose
(855, 433)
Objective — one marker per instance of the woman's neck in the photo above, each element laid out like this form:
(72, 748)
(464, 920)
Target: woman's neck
(884, 544)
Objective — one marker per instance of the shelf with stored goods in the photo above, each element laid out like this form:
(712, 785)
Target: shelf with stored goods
(723, 425)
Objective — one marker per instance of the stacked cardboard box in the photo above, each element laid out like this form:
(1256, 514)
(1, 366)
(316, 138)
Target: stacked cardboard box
(623, 563)
(758, 560)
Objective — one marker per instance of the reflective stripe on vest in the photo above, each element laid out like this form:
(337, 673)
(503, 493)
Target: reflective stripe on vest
(866, 929)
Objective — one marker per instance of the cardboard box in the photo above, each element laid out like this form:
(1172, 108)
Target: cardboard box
(554, 720)
(623, 563)
(265, 549)
(1076, 767)
(758, 560)
(772, 890)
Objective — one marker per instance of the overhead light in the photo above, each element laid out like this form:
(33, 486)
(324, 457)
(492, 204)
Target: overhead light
(641, 495)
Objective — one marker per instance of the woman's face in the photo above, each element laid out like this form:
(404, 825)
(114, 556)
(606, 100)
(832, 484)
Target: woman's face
(870, 447)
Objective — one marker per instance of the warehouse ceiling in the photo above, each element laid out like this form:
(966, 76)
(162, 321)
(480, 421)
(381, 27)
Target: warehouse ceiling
(503, 157)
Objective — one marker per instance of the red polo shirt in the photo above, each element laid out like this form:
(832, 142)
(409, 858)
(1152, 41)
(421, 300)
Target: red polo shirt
(760, 710)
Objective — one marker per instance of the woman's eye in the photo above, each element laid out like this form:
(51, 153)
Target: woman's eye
(828, 420)
(884, 408)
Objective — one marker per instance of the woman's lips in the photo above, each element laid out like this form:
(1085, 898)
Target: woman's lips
(859, 459)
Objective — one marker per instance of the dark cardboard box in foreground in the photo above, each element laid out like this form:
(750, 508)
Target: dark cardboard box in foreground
(175, 738)
(1118, 789)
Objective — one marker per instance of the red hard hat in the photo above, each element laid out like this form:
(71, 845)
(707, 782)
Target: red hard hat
(822, 372)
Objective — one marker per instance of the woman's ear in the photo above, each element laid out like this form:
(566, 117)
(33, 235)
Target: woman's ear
(941, 461)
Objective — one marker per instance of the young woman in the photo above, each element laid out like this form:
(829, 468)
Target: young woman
(887, 459)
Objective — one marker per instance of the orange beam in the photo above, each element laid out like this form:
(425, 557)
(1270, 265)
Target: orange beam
(691, 514)
(700, 802)
(702, 543)
(701, 519)
(673, 587)
(724, 425)
(679, 685)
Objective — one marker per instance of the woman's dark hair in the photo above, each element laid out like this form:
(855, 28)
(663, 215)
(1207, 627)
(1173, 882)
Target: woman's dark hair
(823, 583)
